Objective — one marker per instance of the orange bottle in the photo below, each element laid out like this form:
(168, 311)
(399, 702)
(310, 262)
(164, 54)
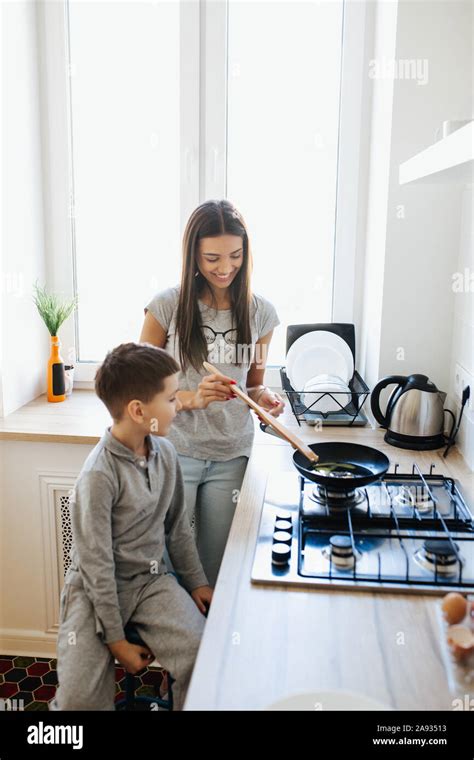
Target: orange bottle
(56, 378)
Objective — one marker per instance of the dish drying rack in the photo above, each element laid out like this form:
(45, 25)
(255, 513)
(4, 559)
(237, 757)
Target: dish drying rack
(351, 414)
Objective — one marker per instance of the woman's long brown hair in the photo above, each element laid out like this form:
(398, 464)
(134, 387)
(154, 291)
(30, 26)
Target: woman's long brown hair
(211, 219)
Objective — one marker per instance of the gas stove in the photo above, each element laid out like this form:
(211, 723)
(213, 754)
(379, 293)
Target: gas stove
(406, 532)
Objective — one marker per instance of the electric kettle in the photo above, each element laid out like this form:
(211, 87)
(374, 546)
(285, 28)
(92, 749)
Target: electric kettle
(414, 415)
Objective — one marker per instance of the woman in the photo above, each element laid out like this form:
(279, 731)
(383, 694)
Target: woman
(213, 315)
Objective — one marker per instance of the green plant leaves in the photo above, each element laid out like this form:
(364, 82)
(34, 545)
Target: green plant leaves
(52, 310)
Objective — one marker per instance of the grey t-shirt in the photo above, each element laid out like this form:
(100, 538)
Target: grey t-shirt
(225, 429)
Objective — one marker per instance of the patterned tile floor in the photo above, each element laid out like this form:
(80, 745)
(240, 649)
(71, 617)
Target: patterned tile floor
(34, 680)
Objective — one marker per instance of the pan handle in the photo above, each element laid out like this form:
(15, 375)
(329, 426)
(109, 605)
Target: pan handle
(267, 429)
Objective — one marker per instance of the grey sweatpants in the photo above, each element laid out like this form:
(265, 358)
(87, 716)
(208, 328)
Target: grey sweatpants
(167, 620)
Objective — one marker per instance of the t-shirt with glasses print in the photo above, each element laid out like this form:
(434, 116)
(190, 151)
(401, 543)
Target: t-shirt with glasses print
(225, 429)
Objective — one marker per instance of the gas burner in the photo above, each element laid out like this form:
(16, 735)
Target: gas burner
(408, 532)
(438, 555)
(340, 551)
(414, 496)
(337, 499)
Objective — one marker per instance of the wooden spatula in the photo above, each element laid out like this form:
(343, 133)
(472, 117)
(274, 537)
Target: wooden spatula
(296, 442)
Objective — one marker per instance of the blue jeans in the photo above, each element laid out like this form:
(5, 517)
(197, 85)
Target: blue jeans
(211, 493)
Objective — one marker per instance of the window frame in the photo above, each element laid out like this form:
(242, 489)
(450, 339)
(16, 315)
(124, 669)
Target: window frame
(203, 93)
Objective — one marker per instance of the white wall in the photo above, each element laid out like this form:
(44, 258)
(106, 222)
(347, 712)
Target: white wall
(414, 231)
(462, 338)
(424, 221)
(24, 338)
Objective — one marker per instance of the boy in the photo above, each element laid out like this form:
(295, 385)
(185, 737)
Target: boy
(128, 502)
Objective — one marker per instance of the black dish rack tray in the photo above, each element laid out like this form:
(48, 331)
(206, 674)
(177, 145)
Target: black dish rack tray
(348, 414)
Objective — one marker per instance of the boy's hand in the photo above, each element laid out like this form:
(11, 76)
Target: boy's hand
(131, 656)
(202, 597)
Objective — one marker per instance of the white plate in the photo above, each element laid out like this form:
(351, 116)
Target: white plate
(314, 394)
(319, 352)
(327, 700)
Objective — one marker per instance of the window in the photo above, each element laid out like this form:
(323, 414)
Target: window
(125, 128)
(284, 70)
(172, 102)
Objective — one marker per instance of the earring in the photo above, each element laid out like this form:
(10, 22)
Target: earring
(197, 273)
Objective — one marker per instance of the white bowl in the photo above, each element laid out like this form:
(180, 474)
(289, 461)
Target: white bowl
(321, 384)
(327, 700)
(325, 380)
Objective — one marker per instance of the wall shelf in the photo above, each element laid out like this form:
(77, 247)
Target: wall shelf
(451, 159)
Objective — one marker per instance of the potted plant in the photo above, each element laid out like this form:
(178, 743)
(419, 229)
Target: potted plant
(53, 311)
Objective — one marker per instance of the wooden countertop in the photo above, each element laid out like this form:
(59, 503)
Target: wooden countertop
(264, 643)
(81, 418)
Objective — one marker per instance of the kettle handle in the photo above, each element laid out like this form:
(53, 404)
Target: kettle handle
(375, 397)
(451, 436)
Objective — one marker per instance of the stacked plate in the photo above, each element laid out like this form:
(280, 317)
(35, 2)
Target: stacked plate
(319, 363)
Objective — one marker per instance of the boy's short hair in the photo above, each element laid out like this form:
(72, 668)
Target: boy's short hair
(132, 370)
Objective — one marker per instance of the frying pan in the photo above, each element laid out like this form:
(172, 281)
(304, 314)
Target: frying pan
(337, 465)
(352, 464)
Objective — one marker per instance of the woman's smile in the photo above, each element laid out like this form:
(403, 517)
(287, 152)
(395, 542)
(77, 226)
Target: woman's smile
(224, 278)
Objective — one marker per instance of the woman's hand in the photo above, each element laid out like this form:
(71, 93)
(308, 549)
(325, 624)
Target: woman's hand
(271, 402)
(202, 597)
(212, 388)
